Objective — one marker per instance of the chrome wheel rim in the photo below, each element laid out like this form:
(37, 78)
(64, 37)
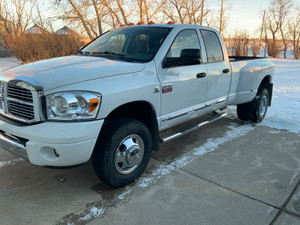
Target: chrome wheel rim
(129, 154)
(263, 105)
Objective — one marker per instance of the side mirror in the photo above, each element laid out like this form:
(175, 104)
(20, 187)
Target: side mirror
(190, 53)
(187, 57)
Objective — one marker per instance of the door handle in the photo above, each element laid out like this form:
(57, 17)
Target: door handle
(226, 70)
(201, 75)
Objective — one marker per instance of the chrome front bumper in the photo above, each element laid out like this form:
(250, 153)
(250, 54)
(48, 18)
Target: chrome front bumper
(13, 145)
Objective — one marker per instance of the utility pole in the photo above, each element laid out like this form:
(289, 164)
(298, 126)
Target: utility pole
(221, 17)
(261, 32)
(202, 9)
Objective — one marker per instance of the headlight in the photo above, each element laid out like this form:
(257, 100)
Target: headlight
(73, 105)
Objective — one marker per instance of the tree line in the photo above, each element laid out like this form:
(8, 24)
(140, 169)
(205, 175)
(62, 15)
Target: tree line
(280, 26)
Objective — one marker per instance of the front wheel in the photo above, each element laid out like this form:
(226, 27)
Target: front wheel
(123, 152)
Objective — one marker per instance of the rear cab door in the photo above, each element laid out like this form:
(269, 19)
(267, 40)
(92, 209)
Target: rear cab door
(218, 70)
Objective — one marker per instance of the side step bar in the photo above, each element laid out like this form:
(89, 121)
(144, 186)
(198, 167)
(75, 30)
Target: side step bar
(193, 127)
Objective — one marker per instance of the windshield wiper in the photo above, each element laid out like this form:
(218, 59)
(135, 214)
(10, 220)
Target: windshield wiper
(82, 53)
(117, 55)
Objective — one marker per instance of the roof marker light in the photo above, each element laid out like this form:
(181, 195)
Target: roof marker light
(170, 22)
(140, 23)
(130, 24)
(151, 22)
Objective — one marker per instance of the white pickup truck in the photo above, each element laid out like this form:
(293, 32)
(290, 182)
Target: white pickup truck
(112, 100)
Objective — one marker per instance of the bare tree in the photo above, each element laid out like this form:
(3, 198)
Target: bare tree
(175, 11)
(240, 43)
(255, 47)
(148, 9)
(284, 9)
(276, 18)
(98, 7)
(294, 30)
(85, 14)
(15, 15)
(118, 14)
(186, 11)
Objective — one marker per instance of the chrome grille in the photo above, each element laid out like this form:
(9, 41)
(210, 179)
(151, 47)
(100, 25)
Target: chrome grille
(20, 102)
(19, 93)
(21, 110)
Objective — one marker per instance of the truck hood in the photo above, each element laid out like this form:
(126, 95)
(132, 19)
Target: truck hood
(57, 72)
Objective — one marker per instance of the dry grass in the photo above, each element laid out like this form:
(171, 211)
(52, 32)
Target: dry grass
(33, 47)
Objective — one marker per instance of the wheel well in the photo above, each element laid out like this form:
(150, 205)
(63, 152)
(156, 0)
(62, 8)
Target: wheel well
(139, 110)
(266, 83)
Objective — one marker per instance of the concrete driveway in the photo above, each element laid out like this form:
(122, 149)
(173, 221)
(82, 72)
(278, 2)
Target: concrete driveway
(228, 172)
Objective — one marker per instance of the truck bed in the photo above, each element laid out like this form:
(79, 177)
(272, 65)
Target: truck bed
(244, 58)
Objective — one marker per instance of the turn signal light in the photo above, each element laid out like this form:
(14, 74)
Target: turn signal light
(93, 104)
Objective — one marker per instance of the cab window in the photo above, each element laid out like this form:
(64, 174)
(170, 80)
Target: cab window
(186, 39)
(213, 47)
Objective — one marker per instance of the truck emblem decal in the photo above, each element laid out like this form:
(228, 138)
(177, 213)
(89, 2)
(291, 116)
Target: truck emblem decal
(167, 88)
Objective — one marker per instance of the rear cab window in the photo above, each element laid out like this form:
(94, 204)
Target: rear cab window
(213, 46)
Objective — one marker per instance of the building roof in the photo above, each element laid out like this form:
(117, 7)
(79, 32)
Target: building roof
(65, 31)
(35, 29)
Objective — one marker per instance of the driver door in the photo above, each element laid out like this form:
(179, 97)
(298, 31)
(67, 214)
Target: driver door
(183, 86)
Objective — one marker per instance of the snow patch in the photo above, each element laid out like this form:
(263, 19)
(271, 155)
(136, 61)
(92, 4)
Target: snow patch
(146, 181)
(94, 213)
(283, 114)
(124, 194)
(10, 162)
(211, 145)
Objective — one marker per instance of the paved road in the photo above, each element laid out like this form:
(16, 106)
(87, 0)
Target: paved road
(225, 173)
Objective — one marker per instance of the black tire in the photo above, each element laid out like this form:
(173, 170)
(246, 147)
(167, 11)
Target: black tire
(117, 157)
(256, 109)
(243, 111)
(259, 106)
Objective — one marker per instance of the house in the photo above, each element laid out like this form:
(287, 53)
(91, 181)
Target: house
(35, 29)
(67, 31)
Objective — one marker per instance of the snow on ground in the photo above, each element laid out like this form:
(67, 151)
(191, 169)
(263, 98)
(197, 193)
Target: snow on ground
(9, 62)
(10, 162)
(94, 213)
(211, 145)
(285, 109)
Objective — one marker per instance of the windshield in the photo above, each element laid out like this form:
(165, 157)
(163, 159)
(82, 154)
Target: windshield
(128, 43)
